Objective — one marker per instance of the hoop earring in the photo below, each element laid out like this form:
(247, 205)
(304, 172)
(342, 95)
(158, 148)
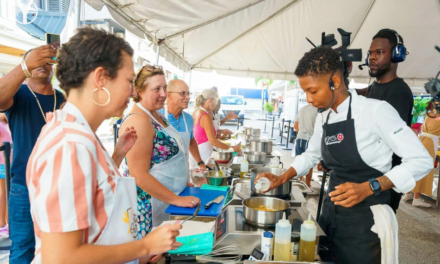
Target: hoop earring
(108, 100)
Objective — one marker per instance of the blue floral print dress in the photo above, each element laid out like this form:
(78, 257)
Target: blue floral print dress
(164, 148)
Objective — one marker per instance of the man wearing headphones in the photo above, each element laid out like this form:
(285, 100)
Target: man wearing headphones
(385, 52)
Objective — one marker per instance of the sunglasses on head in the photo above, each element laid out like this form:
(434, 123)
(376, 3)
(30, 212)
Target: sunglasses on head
(150, 68)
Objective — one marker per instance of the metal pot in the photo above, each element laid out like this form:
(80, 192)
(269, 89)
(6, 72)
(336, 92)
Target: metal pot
(260, 218)
(254, 157)
(280, 191)
(256, 132)
(222, 156)
(263, 145)
(248, 130)
(212, 178)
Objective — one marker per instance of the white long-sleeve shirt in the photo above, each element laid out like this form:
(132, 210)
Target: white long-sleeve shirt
(379, 132)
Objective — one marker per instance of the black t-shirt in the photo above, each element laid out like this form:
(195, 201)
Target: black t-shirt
(398, 94)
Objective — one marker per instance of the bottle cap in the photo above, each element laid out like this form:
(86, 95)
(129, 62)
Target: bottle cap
(309, 224)
(295, 238)
(283, 222)
(268, 234)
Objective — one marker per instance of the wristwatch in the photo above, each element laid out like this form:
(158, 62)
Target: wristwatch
(200, 163)
(375, 186)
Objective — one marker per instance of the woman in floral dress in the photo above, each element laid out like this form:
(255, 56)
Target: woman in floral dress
(157, 160)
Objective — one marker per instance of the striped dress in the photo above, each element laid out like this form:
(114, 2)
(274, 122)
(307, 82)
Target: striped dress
(71, 180)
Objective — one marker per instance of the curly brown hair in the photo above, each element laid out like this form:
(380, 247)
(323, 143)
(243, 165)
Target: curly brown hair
(87, 50)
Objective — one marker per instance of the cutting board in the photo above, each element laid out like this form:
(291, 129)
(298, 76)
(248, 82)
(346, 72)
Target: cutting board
(205, 196)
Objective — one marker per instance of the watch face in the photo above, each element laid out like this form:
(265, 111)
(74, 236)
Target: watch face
(375, 186)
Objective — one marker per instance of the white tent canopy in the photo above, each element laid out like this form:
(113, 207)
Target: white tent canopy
(253, 38)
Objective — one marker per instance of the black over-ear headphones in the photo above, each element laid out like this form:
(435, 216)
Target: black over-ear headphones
(398, 52)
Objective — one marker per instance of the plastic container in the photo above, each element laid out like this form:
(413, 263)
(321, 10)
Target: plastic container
(244, 168)
(262, 185)
(267, 244)
(283, 230)
(274, 163)
(307, 241)
(294, 247)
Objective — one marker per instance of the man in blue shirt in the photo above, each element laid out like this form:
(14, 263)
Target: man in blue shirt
(177, 100)
(25, 106)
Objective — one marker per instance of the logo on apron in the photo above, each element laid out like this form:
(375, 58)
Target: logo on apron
(128, 218)
(335, 139)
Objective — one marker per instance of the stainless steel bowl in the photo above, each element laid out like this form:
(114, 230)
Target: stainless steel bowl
(254, 157)
(260, 218)
(262, 145)
(223, 157)
(216, 180)
(280, 191)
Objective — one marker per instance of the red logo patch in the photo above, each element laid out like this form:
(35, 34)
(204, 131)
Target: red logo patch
(340, 137)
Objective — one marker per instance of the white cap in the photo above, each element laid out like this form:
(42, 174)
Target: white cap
(283, 222)
(309, 224)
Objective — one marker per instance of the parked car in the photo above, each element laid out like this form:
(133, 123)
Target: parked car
(234, 103)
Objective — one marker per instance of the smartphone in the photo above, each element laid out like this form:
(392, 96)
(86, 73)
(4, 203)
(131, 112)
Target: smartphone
(54, 40)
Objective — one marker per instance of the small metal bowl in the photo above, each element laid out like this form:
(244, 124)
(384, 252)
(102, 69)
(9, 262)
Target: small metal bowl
(215, 180)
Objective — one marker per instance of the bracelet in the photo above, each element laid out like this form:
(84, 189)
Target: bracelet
(200, 163)
(25, 69)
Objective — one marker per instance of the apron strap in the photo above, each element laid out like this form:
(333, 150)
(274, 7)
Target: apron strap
(184, 121)
(348, 114)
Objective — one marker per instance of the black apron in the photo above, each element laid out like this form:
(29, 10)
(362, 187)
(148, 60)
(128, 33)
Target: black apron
(349, 238)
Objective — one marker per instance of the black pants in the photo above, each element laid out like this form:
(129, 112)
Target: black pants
(395, 198)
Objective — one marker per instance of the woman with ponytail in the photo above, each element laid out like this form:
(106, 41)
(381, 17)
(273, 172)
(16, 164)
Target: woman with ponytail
(204, 131)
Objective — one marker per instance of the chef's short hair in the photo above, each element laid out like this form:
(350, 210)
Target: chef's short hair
(318, 61)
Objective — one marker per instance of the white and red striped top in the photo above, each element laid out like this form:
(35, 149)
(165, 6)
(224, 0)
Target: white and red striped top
(70, 177)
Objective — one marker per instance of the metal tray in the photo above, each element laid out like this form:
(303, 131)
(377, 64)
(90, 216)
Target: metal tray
(242, 188)
(302, 186)
(282, 262)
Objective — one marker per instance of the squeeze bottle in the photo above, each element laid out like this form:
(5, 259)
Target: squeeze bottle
(307, 241)
(283, 230)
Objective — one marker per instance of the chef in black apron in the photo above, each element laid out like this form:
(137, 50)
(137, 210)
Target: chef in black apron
(355, 137)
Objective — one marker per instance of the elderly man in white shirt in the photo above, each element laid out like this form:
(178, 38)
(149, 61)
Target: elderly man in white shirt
(356, 138)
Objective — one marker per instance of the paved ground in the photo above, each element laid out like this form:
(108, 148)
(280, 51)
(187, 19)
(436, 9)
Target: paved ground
(419, 229)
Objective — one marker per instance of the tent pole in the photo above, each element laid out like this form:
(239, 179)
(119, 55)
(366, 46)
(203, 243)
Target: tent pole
(190, 78)
(78, 13)
(158, 55)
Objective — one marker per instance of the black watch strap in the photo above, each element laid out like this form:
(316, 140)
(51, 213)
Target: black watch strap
(200, 163)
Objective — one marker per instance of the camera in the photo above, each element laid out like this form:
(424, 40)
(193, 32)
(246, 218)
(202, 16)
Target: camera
(433, 88)
(347, 55)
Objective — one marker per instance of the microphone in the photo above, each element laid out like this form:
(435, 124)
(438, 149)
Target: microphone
(320, 110)
(362, 68)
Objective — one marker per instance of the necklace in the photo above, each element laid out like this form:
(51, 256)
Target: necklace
(38, 102)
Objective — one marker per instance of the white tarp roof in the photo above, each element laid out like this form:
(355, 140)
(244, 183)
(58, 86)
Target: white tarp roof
(253, 38)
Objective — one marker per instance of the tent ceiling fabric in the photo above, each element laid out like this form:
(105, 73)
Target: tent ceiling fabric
(255, 38)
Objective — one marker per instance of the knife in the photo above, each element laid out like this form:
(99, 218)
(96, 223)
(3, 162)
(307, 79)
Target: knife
(216, 200)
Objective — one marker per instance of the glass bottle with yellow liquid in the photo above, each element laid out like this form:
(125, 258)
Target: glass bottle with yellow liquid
(244, 167)
(283, 229)
(307, 241)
